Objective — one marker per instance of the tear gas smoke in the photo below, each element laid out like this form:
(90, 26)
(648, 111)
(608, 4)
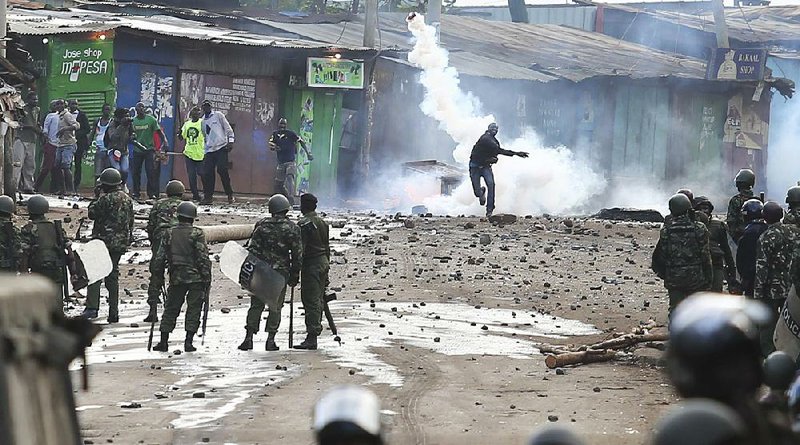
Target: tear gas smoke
(784, 132)
(552, 180)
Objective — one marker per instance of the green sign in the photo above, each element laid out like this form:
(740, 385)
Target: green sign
(329, 72)
(81, 66)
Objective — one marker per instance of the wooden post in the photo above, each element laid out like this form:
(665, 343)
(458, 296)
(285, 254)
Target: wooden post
(720, 26)
(370, 22)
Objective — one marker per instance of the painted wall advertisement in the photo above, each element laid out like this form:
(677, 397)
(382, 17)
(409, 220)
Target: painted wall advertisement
(745, 126)
(81, 66)
(737, 64)
(329, 72)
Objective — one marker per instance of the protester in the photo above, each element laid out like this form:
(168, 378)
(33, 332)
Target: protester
(82, 140)
(219, 140)
(145, 127)
(101, 161)
(194, 150)
(46, 168)
(24, 148)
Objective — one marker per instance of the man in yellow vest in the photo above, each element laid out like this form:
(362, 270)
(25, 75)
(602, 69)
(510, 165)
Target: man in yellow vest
(192, 134)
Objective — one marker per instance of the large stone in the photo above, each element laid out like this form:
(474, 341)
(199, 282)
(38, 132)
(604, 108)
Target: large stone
(486, 239)
(503, 218)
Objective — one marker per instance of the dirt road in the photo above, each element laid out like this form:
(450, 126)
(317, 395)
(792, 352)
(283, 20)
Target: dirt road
(443, 328)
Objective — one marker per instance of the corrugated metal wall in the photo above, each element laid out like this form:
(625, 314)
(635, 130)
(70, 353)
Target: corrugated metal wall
(581, 17)
(640, 132)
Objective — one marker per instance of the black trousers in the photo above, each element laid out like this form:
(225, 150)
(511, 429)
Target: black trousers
(216, 160)
(148, 159)
(193, 170)
(82, 148)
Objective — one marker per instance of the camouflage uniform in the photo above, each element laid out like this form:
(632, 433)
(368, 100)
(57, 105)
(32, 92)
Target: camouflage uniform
(772, 281)
(162, 217)
(792, 217)
(275, 240)
(9, 245)
(40, 250)
(184, 249)
(314, 277)
(682, 258)
(113, 223)
(721, 256)
(734, 219)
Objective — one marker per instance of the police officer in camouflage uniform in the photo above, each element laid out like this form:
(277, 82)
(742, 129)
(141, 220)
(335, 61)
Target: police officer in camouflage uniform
(9, 236)
(682, 257)
(162, 217)
(41, 252)
(747, 251)
(183, 248)
(792, 217)
(314, 275)
(773, 260)
(275, 240)
(113, 223)
(745, 181)
(721, 256)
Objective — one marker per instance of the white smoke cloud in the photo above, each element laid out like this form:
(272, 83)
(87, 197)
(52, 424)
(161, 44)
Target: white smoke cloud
(552, 180)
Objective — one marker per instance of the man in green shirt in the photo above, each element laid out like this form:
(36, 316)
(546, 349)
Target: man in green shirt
(192, 134)
(145, 127)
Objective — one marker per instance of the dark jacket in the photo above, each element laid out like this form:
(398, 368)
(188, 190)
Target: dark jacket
(82, 134)
(746, 254)
(486, 150)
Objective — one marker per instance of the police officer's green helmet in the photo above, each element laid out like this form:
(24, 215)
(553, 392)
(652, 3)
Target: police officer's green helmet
(793, 195)
(746, 177)
(679, 204)
(110, 176)
(6, 206)
(38, 205)
(175, 188)
(187, 209)
(700, 422)
(278, 204)
(772, 212)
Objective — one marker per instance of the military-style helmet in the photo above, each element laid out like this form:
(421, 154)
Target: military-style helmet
(282, 122)
(700, 422)
(793, 195)
(703, 201)
(554, 435)
(772, 212)
(278, 203)
(348, 414)
(779, 370)
(175, 188)
(110, 176)
(679, 204)
(686, 192)
(38, 205)
(187, 209)
(746, 177)
(714, 348)
(7, 205)
(752, 209)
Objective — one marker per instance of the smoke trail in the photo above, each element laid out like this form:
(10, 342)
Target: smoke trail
(552, 180)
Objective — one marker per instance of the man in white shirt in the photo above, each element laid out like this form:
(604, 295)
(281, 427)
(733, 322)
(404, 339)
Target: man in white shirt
(50, 129)
(219, 140)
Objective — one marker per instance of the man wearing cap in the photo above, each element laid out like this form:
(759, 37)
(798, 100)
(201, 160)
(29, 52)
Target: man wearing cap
(314, 273)
(219, 140)
(25, 144)
(284, 142)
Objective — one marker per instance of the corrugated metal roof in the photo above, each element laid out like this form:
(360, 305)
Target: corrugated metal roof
(759, 24)
(47, 22)
(517, 50)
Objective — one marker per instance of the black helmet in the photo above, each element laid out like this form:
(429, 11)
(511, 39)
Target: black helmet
(700, 422)
(348, 413)
(278, 203)
(554, 435)
(793, 195)
(752, 209)
(38, 205)
(686, 192)
(187, 209)
(493, 128)
(714, 346)
(746, 177)
(772, 212)
(7, 205)
(703, 201)
(282, 122)
(679, 204)
(779, 369)
(110, 176)
(175, 188)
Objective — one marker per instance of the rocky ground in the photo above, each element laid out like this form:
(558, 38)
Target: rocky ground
(441, 317)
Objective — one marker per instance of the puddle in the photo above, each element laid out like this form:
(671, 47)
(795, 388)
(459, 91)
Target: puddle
(459, 330)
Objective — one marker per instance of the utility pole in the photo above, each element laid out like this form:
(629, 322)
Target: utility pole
(370, 22)
(435, 15)
(3, 25)
(719, 24)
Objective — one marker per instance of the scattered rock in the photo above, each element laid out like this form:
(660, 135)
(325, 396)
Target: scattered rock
(225, 310)
(469, 225)
(409, 223)
(622, 214)
(568, 222)
(131, 405)
(437, 339)
(560, 371)
(352, 372)
(548, 250)
(199, 395)
(485, 239)
(552, 418)
(503, 218)
(596, 389)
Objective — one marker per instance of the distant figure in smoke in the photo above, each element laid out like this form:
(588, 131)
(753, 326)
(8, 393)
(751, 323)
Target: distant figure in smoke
(484, 154)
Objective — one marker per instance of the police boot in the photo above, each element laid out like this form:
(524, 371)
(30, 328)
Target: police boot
(271, 346)
(89, 314)
(309, 343)
(187, 344)
(247, 344)
(162, 345)
(152, 316)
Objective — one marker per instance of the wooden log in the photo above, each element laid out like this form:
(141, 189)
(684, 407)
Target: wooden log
(227, 232)
(575, 358)
(628, 340)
